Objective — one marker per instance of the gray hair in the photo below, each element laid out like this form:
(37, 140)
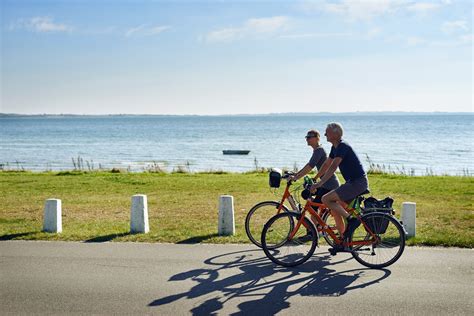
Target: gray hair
(336, 127)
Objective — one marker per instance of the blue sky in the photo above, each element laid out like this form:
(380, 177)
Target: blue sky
(228, 57)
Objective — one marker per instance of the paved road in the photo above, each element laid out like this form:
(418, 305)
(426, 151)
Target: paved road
(168, 279)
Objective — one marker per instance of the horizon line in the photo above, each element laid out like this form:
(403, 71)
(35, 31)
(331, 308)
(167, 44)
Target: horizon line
(237, 114)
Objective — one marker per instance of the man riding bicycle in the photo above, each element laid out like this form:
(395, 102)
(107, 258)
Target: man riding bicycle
(343, 156)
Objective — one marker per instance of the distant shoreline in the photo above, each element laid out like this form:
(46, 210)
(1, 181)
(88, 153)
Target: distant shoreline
(385, 113)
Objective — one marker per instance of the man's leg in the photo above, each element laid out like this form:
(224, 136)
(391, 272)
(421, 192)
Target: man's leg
(332, 200)
(338, 212)
(339, 223)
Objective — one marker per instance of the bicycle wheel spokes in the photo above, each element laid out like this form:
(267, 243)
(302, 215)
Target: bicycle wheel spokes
(329, 220)
(280, 248)
(279, 231)
(389, 243)
(257, 217)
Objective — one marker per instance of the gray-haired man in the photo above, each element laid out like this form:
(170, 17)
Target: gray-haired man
(343, 156)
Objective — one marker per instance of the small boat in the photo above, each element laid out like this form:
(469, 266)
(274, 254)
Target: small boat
(235, 152)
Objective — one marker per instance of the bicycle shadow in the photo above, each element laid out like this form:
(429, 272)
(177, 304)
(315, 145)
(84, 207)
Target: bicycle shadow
(265, 287)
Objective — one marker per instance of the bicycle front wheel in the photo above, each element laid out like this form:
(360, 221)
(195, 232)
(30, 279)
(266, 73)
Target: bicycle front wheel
(282, 250)
(257, 217)
(388, 245)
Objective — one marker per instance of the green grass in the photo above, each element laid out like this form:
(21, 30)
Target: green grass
(183, 207)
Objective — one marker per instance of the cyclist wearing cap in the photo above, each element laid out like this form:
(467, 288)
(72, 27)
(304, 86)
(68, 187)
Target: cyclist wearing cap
(317, 159)
(343, 156)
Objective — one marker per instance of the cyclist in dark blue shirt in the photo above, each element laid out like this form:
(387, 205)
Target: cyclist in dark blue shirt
(343, 156)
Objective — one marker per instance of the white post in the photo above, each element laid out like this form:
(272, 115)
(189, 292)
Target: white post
(52, 222)
(139, 214)
(409, 217)
(226, 224)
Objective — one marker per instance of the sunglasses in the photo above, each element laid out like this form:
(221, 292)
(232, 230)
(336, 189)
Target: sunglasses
(309, 136)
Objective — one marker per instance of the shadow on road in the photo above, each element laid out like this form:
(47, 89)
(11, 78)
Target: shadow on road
(197, 239)
(14, 236)
(106, 238)
(265, 287)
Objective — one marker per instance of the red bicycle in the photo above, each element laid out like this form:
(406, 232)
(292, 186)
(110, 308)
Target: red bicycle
(260, 213)
(378, 242)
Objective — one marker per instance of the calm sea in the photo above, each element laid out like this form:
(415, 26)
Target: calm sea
(439, 144)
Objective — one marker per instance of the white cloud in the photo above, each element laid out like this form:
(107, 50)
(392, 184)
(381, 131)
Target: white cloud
(266, 25)
(453, 26)
(41, 24)
(144, 30)
(423, 7)
(158, 29)
(369, 9)
(133, 30)
(224, 35)
(315, 35)
(251, 27)
(355, 9)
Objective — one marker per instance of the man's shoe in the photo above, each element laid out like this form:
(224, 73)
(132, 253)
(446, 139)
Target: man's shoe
(339, 248)
(352, 225)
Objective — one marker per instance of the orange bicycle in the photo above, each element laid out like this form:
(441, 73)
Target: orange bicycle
(378, 242)
(263, 211)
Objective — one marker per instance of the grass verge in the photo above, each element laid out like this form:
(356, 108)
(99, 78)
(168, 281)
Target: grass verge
(183, 206)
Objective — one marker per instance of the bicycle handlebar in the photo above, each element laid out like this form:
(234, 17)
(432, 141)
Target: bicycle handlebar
(287, 174)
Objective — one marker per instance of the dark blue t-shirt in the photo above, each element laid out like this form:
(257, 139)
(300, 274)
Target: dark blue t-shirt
(350, 166)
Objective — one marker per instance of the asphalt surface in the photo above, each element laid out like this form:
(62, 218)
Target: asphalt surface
(138, 278)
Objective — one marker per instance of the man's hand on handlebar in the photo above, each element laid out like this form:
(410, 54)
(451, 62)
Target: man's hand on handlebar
(314, 187)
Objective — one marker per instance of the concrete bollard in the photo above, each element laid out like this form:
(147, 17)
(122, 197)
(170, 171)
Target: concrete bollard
(139, 214)
(409, 217)
(226, 224)
(52, 222)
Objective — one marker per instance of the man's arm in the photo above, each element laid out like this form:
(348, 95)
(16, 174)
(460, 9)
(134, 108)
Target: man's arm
(323, 168)
(306, 169)
(331, 170)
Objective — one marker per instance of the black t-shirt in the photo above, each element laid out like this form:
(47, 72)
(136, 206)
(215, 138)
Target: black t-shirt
(350, 166)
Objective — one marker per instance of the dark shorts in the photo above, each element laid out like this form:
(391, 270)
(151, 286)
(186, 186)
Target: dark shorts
(351, 189)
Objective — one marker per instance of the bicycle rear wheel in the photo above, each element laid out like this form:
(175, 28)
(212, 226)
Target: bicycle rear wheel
(257, 217)
(277, 246)
(389, 243)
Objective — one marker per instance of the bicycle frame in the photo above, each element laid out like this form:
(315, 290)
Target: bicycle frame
(309, 208)
(287, 196)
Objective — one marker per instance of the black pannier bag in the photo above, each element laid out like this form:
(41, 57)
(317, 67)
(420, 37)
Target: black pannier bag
(275, 177)
(371, 204)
